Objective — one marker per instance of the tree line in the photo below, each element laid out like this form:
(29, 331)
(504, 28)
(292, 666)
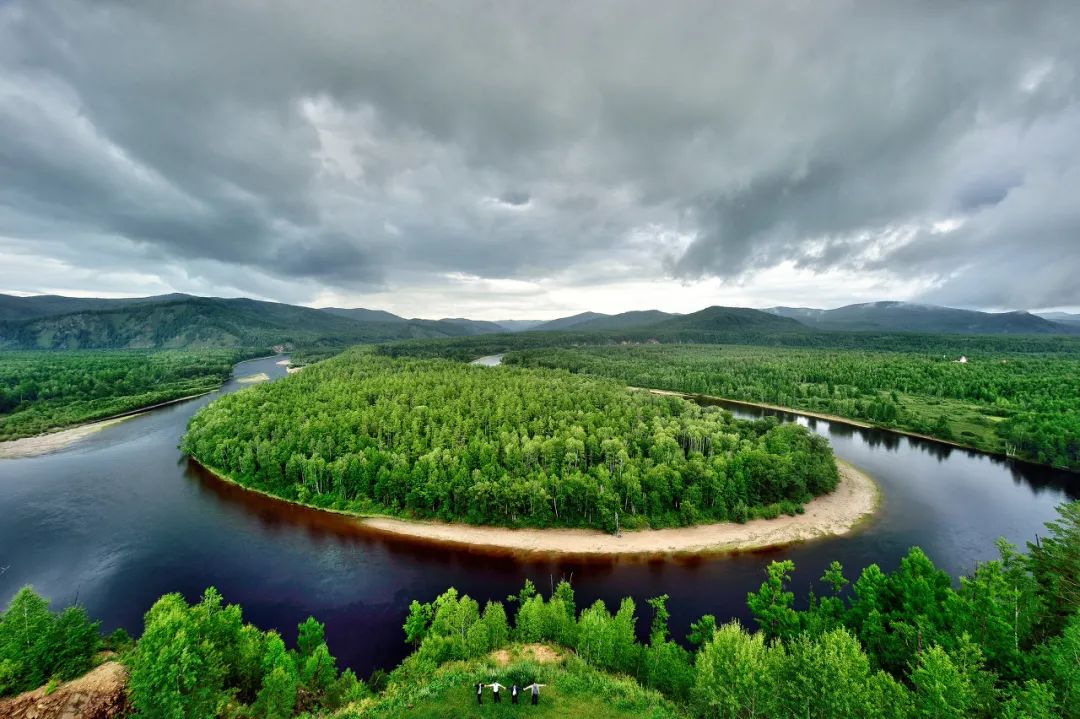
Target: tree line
(510, 446)
(1003, 644)
(1027, 406)
(42, 391)
(471, 347)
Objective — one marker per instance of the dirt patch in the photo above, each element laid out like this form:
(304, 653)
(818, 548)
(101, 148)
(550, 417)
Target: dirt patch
(836, 513)
(541, 653)
(98, 694)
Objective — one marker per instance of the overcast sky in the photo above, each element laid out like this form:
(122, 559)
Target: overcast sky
(513, 159)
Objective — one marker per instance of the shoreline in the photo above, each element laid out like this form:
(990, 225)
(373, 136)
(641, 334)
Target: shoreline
(49, 442)
(63, 437)
(855, 500)
(844, 420)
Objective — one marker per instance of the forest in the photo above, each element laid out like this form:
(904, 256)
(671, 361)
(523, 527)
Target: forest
(1022, 405)
(469, 348)
(371, 434)
(1002, 643)
(42, 391)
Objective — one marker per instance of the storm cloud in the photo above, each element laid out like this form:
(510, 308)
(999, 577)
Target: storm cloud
(298, 150)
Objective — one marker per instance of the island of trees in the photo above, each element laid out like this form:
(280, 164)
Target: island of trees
(372, 434)
(1003, 644)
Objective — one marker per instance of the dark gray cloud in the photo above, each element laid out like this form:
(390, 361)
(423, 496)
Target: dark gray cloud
(286, 148)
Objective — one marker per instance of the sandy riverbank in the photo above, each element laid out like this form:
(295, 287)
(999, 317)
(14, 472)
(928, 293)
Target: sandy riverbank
(46, 443)
(64, 438)
(854, 500)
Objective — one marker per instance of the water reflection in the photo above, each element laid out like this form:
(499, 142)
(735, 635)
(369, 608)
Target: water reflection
(121, 519)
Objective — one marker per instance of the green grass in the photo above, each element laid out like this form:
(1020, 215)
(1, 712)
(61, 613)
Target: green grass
(573, 690)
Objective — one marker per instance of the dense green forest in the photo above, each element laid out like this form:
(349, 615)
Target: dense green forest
(468, 348)
(197, 660)
(509, 446)
(906, 643)
(1023, 405)
(42, 391)
(1004, 643)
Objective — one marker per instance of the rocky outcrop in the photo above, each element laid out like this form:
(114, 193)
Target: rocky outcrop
(98, 694)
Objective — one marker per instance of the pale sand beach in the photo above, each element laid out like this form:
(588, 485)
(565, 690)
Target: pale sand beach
(46, 443)
(253, 378)
(855, 499)
(61, 439)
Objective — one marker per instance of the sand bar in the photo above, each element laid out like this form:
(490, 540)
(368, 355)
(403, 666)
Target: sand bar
(253, 378)
(62, 439)
(855, 499)
(47, 443)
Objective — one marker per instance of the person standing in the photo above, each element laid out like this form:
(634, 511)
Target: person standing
(514, 694)
(535, 688)
(479, 692)
(495, 687)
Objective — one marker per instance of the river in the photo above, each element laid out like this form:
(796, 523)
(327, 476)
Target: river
(121, 518)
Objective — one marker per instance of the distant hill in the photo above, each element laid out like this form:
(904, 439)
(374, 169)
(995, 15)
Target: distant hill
(624, 321)
(186, 321)
(364, 315)
(912, 317)
(473, 327)
(1063, 317)
(726, 319)
(565, 323)
(712, 319)
(28, 308)
(519, 325)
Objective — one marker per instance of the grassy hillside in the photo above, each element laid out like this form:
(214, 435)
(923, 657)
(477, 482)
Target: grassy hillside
(574, 689)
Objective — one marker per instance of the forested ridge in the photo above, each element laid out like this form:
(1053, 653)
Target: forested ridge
(508, 446)
(1003, 643)
(42, 391)
(1023, 405)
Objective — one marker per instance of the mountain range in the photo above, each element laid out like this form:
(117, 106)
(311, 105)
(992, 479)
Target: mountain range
(179, 320)
(912, 317)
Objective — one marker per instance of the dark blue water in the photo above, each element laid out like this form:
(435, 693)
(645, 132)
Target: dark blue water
(121, 518)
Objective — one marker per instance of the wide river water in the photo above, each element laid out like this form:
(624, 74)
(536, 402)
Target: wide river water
(121, 517)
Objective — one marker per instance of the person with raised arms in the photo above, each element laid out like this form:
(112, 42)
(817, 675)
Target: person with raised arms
(535, 688)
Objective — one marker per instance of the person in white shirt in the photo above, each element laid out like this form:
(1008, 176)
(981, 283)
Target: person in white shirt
(514, 694)
(495, 687)
(535, 688)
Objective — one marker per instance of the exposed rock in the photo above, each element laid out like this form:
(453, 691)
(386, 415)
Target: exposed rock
(98, 694)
